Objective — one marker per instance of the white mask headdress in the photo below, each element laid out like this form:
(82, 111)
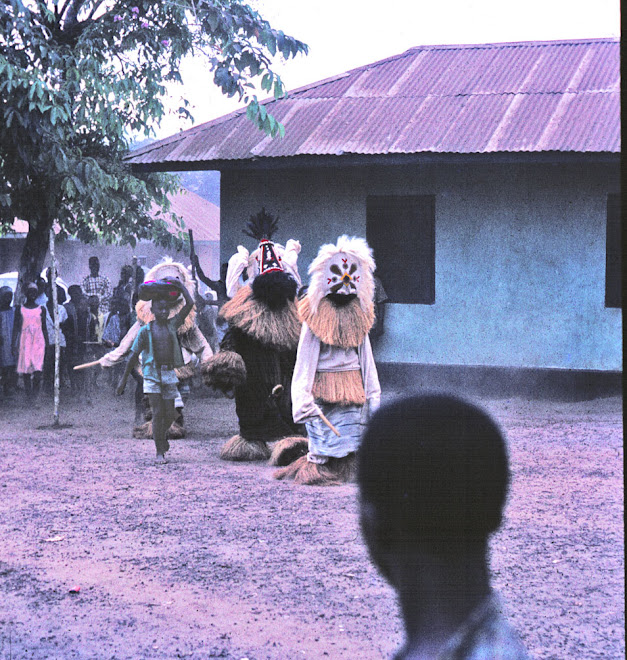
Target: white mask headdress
(344, 268)
(167, 269)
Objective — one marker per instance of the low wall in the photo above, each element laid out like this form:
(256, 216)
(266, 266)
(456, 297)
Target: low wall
(500, 382)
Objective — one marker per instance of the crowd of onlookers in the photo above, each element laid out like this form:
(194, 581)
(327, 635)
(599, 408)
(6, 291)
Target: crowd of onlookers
(93, 318)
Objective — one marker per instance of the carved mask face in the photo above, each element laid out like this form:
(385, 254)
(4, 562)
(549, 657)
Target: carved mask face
(343, 275)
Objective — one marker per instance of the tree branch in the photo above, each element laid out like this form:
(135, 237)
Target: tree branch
(60, 10)
(71, 15)
(95, 8)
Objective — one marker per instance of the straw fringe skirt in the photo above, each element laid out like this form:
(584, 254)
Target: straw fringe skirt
(240, 449)
(333, 473)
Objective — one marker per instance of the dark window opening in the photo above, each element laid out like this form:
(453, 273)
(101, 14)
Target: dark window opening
(613, 253)
(401, 232)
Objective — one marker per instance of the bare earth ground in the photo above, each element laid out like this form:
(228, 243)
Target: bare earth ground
(206, 559)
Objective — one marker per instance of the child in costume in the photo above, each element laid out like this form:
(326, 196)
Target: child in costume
(196, 351)
(257, 353)
(158, 344)
(30, 336)
(335, 377)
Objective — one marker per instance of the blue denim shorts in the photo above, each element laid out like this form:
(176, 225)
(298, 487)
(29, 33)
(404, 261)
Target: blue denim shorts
(323, 442)
(166, 386)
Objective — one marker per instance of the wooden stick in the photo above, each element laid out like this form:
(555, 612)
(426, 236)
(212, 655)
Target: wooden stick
(328, 423)
(85, 365)
(52, 281)
(192, 253)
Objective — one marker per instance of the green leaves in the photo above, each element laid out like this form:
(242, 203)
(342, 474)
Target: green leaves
(75, 85)
(258, 114)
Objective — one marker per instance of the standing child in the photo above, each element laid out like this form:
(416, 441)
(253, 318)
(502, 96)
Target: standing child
(50, 348)
(7, 356)
(97, 318)
(78, 330)
(116, 326)
(93, 347)
(158, 344)
(30, 337)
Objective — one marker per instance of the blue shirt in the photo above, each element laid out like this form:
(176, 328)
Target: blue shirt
(143, 345)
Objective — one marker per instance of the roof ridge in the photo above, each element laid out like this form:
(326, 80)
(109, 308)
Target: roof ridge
(414, 49)
(513, 44)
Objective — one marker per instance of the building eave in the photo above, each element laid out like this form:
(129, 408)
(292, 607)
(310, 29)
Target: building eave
(363, 160)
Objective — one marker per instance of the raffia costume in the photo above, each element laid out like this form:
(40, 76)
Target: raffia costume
(257, 353)
(195, 348)
(335, 376)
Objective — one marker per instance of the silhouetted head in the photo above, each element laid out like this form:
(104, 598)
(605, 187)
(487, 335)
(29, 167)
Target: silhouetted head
(61, 297)
(161, 309)
(6, 297)
(31, 292)
(94, 304)
(94, 266)
(432, 469)
(76, 293)
(126, 273)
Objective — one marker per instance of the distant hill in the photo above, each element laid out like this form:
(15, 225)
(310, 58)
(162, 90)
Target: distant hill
(205, 184)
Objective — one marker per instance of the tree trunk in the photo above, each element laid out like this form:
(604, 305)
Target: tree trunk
(34, 254)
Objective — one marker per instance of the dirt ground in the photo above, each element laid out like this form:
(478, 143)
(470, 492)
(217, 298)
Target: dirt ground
(106, 555)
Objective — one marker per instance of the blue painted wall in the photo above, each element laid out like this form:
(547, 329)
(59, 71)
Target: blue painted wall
(520, 255)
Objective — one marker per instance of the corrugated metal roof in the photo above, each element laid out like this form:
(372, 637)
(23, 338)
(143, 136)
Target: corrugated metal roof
(487, 98)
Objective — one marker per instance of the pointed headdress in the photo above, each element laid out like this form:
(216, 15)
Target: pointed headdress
(261, 227)
(268, 257)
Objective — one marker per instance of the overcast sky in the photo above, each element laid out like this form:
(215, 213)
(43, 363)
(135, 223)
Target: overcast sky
(344, 34)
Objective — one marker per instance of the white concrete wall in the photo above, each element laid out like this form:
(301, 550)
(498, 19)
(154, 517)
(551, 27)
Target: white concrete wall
(520, 256)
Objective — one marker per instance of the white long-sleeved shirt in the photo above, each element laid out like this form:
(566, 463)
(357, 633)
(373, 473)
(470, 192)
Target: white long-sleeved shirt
(313, 356)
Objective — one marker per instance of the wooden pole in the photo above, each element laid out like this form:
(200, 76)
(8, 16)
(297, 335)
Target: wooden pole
(57, 331)
(192, 252)
(134, 282)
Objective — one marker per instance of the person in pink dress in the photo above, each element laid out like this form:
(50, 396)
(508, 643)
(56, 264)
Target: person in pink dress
(30, 338)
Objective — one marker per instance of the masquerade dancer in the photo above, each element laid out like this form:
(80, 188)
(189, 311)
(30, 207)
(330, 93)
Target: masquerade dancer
(335, 384)
(256, 358)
